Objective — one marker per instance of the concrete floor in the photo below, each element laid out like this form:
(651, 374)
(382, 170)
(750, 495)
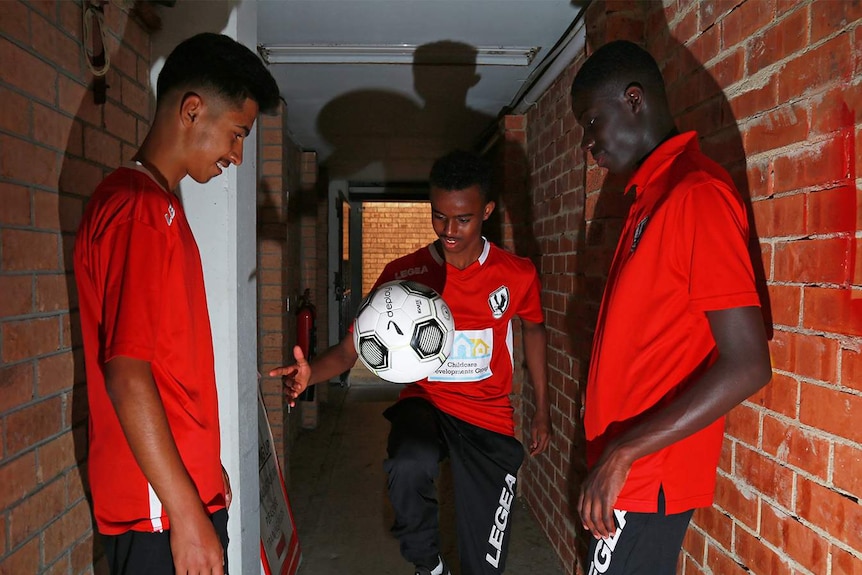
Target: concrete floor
(338, 494)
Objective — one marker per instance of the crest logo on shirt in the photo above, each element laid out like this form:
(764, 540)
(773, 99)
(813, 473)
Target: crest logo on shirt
(169, 217)
(639, 230)
(498, 301)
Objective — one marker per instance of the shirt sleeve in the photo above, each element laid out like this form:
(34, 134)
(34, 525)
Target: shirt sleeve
(531, 307)
(721, 274)
(133, 255)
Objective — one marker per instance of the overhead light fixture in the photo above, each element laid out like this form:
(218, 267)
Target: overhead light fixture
(437, 53)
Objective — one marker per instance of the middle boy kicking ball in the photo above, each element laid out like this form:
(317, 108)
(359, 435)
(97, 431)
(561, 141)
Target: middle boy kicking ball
(463, 410)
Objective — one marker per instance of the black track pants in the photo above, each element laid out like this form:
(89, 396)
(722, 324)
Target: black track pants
(644, 544)
(140, 553)
(484, 467)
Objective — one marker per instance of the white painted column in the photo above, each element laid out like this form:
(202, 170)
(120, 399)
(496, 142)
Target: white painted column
(223, 217)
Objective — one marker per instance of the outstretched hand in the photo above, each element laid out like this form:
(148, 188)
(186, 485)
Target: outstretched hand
(294, 377)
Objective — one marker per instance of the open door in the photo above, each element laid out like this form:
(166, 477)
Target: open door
(342, 278)
(343, 262)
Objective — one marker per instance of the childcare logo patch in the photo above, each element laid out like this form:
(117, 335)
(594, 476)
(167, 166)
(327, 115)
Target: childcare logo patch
(470, 358)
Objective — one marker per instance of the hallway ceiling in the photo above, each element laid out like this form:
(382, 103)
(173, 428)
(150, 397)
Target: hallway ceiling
(387, 122)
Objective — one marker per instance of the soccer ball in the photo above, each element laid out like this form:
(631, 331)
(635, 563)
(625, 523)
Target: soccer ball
(403, 331)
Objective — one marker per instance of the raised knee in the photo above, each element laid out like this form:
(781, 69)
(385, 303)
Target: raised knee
(414, 459)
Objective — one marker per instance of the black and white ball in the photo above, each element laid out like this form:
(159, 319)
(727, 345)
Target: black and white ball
(403, 331)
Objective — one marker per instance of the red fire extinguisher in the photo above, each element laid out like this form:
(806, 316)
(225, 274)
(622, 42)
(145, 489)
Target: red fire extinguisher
(306, 335)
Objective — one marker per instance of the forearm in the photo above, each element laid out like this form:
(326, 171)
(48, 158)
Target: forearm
(535, 349)
(536, 352)
(333, 362)
(718, 391)
(742, 368)
(139, 408)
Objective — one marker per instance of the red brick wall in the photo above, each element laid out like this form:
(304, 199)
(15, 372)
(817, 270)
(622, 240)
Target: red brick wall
(288, 248)
(55, 146)
(515, 224)
(280, 186)
(391, 230)
(773, 87)
(549, 218)
(788, 489)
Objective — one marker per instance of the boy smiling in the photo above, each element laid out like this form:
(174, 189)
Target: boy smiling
(159, 491)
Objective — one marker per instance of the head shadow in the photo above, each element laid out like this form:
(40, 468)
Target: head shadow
(511, 223)
(380, 135)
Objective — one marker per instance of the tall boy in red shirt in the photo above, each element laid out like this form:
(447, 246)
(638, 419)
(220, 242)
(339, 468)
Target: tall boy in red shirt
(159, 493)
(680, 338)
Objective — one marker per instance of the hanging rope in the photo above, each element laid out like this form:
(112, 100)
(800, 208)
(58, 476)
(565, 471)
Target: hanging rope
(98, 63)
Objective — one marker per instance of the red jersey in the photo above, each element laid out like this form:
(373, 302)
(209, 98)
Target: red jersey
(475, 382)
(141, 292)
(683, 252)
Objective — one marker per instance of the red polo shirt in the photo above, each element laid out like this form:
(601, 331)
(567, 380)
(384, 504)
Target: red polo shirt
(683, 252)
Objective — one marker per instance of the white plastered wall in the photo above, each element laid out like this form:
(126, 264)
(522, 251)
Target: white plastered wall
(223, 215)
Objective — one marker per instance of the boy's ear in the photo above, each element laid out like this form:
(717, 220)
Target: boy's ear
(190, 108)
(635, 97)
(489, 209)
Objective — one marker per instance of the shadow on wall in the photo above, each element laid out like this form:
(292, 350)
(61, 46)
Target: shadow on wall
(511, 191)
(511, 226)
(102, 136)
(699, 104)
(382, 136)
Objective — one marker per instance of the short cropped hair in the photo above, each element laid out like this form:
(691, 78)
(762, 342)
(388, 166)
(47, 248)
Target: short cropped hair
(459, 170)
(615, 66)
(222, 65)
